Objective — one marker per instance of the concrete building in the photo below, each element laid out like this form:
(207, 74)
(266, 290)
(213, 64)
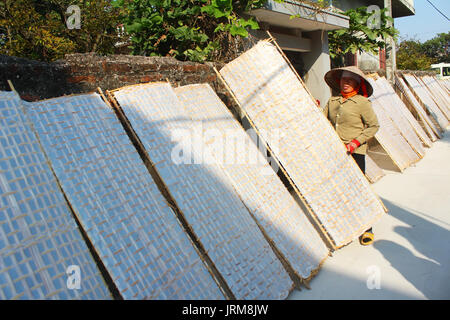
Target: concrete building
(386, 59)
(305, 40)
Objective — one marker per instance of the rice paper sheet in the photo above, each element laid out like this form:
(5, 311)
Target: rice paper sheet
(255, 181)
(406, 113)
(136, 234)
(42, 252)
(310, 151)
(373, 171)
(428, 125)
(441, 97)
(389, 136)
(394, 107)
(423, 94)
(203, 192)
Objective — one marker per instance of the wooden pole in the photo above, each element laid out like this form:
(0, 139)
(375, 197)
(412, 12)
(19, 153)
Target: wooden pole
(11, 86)
(297, 191)
(309, 92)
(169, 198)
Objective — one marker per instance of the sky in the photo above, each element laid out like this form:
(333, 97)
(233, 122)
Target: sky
(426, 23)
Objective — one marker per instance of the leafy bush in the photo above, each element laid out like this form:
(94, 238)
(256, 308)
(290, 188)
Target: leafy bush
(195, 30)
(411, 57)
(37, 29)
(362, 34)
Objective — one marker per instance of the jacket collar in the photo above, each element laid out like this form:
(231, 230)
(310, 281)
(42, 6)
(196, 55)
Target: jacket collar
(354, 99)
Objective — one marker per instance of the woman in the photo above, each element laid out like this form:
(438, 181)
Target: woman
(352, 116)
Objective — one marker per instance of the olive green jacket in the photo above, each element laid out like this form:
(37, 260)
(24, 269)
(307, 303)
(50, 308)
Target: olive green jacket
(353, 118)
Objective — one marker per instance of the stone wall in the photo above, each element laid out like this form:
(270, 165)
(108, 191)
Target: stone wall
(83, 73)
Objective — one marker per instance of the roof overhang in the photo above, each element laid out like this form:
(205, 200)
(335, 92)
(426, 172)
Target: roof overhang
(403, 8)
(307, 18)
(286, 42)
(400, 8)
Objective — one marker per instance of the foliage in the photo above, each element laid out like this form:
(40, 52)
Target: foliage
(414, 55)
(196, 30)
(362, 34)
(411, 57)
(27, 33)
(438, 48)
(316, 6)
(37, 29)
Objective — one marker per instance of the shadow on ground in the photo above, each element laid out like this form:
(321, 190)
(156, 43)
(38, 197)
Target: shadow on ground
(427, 269)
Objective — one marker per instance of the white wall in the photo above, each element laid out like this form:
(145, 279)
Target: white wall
(317, 62)
(368, 61)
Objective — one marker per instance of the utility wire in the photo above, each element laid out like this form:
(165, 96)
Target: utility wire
(438, 10)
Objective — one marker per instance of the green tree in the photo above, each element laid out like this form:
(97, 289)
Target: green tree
(438, 48)
(37, 29)
(27, 33)
(363, 34)
(410, 56)
(196, 30)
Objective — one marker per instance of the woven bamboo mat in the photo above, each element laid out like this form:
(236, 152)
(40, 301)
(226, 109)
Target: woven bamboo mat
(396, 111)
(389, 136)
(406, 113)
(444, 83)
(441, 97)
(310, 151)
(39, 238)
(373, 171)
(135, 233)
(256, 182)
(427, 100)
(427, 124)
(203, 192)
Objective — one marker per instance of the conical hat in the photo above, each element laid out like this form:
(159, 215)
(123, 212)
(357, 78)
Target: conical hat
(333, 77)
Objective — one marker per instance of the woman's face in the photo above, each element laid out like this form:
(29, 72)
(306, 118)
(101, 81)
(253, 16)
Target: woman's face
(348, 84)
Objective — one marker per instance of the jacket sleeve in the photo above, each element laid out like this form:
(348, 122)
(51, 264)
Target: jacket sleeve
(325, 109)
(370, 120)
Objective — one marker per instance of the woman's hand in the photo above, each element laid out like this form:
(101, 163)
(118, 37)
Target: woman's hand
(351, 147)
